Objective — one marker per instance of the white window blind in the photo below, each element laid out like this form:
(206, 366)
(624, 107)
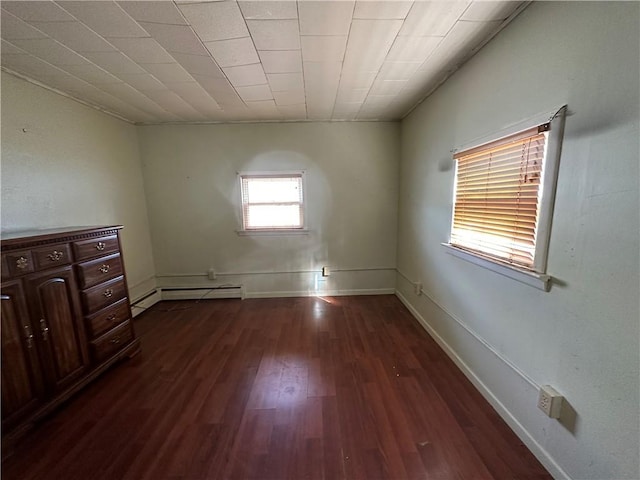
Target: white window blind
(271, 202)
(497, 197)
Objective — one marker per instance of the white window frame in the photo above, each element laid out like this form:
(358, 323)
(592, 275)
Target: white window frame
(242, 230)
(538, 277)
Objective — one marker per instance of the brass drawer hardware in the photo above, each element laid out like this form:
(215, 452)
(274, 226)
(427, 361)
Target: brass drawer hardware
(22, 263)
(55, 256)
(115, 340)
(100, 246)
(111, 317)
(108, 292)
(28, 336)
(44, 329)
(104, 268)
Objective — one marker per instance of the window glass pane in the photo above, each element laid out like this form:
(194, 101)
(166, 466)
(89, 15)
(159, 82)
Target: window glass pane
(273, 190)
(274, 216)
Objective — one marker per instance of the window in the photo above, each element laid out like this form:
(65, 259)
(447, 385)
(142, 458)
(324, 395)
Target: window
(273, 201)
(504, 195)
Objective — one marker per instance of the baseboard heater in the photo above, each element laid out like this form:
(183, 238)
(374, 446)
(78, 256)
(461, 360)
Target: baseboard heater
(146, 301)
(202, 293)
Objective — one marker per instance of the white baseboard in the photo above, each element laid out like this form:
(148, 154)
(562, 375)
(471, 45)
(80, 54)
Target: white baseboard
(540, 453)
(328, 293)
(202, 293)
(145, 302)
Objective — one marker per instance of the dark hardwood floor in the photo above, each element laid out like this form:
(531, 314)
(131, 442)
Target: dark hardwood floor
(291, 388)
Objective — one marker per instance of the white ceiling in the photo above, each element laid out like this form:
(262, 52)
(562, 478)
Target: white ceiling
(225, 61)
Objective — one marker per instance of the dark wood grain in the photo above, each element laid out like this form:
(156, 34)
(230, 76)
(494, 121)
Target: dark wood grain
(296, 388)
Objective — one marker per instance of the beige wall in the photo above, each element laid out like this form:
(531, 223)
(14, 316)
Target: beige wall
(582, 336)
(73, 166)
(351, 192)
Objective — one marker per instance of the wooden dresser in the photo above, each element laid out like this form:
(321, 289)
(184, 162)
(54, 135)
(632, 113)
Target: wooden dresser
(65, 318)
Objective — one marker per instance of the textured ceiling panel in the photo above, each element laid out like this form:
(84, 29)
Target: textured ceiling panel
(227, 60)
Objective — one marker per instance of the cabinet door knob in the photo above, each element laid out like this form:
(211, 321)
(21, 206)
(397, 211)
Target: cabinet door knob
(22, 263)
(28, 336)
(108, 293)
(115, 340)
(55, 256)
(111, 317)
(44, 329)
(104, 268)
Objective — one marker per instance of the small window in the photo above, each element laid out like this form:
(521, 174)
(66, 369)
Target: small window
(504, 195)
(272, 201)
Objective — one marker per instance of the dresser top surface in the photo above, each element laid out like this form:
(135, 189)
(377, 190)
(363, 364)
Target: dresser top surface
(9, 239)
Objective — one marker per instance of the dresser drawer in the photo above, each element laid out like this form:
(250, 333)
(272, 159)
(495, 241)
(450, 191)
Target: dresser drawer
(108, 318)
(99, 270)
(100, 296)
(51, 256)
(19, 263)
(95, 247)
(112, 341)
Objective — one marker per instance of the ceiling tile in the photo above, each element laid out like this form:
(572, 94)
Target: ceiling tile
(168, 72)
(154, 12)
(37, 11)
(142, 82)
(323, 48)
(114, 62)
(398, 70)
(216, 20)
(432, 18)
(280, 82)
(357, 78)
(369, 42)
(172, 102)
(91, 73)
(282, 61)
(142, 50)
(137, 99)
(382, 10)
(196, 96)
(31, 66)
(198, 64)
(54, 52)
(387, 87)
(13, 28)
(76, 36)
(293, 112)
(275, 34)
(255, 93)
(176, 38)
(412, 49)
(216, 87)
(268, 10)
(246, 75)
(486, 11)
(10, 48)
(265, 106)
(325, 18)
(346, 111)
(351, 95)
(289, 97)
(104, 18)
(237, 51)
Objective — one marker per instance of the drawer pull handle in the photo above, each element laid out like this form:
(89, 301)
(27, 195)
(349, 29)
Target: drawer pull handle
(111, 317)
(108, 293)
(22, 263)
(104, 268)
(44, 329)
(100, 246)
(115, 340)
(55, 256)
(28, 336)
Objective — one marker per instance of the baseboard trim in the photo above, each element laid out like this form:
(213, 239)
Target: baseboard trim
(328, 293)
(202, 293)
(540, 453)
(145, 302)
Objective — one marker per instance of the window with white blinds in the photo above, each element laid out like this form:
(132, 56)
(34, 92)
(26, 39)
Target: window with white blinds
(498, 199)
(272, 201)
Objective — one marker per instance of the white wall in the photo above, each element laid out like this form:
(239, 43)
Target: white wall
(582, 336)
(351, 192)
(73, 166)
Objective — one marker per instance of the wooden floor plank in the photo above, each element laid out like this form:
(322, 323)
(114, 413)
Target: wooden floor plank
(270, 389)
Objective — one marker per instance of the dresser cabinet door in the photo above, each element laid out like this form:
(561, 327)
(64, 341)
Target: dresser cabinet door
(60, 334)
(21, 380)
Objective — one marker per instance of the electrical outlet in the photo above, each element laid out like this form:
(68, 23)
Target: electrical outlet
(325, 271)
(212, 274)
(550, 401)
(417, 288)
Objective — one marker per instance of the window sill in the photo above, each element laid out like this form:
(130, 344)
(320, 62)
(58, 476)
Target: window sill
(273, 232)
(537, 280)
